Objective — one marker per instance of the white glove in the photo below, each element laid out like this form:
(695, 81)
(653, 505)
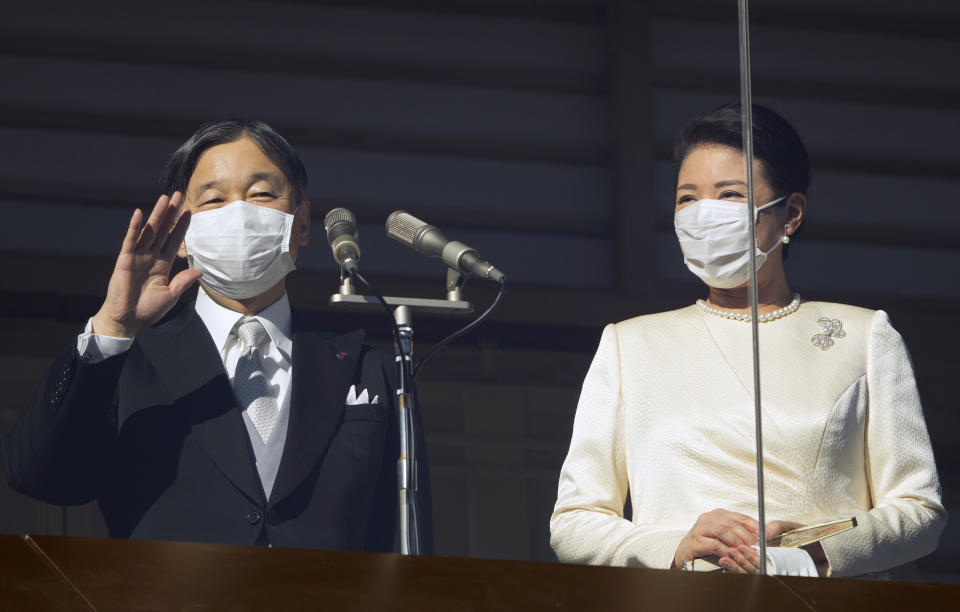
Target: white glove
(783, 561)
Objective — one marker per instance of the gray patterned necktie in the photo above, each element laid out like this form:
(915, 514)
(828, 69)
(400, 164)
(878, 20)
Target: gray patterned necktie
(250, 384)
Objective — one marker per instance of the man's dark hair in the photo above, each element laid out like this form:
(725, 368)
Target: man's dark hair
(176, 175)
(784, 159)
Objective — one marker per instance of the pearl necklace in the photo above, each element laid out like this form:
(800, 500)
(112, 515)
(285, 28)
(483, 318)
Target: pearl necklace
(741, 316)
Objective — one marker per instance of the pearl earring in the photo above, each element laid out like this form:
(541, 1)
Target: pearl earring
(786, 238)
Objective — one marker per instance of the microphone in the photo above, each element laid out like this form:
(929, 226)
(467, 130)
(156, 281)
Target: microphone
(342, 235)
(430, 242)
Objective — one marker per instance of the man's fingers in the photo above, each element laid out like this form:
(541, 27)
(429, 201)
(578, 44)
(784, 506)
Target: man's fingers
(167, 221)
(175, 238)
(133, 230)
(182, 281)
(149, 232)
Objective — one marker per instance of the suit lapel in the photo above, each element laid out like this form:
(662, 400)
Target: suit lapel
(322, 373)
(189, 365)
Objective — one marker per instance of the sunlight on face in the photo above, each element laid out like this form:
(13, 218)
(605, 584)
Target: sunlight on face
(718, 172)
(240, 170)
(237, 170)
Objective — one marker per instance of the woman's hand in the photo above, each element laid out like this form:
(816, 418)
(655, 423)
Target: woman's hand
(727, 536)
(776, 528)
(141, 290)
(815, 550)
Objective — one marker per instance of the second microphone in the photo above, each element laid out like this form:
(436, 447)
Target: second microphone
(430, 242)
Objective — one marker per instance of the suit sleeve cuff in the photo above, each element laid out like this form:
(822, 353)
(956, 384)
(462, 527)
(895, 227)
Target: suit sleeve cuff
(94, 348)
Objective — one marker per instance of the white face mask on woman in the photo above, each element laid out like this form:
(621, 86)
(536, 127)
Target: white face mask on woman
(241, 248)
(715, 239)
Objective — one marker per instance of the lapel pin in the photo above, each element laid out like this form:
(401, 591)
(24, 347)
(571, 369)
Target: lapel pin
(342, 354)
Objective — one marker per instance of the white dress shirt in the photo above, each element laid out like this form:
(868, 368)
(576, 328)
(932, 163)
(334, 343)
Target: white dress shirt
(666, 413)
(275, 318)
(220, 322)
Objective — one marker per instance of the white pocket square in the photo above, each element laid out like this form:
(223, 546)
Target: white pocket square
(364, 398)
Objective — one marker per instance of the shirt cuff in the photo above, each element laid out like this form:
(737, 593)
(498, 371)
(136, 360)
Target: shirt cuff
(94, 348)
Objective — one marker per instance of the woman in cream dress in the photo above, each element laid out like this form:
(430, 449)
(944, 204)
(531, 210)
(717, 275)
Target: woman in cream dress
(667, 411)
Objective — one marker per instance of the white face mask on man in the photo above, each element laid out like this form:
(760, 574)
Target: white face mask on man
(241, 248)
(715, 239)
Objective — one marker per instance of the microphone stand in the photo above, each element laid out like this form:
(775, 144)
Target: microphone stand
(407, 485)
(407, 462)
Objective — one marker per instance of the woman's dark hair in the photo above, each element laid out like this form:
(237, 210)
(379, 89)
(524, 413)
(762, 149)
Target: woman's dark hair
(784, 159)
(176, 175)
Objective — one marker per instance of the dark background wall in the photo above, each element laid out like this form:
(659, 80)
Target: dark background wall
(538, 131)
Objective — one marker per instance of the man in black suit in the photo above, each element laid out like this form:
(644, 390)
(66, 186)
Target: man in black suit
(225, 419)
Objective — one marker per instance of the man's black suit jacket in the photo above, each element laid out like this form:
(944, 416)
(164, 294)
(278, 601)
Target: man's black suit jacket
(156, 437)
